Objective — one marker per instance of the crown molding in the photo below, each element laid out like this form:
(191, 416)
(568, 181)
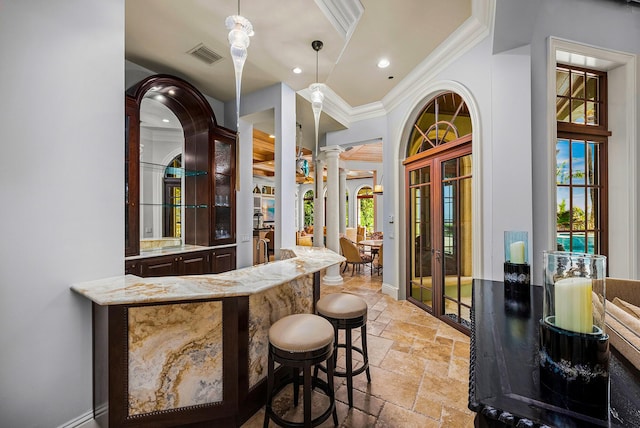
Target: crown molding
(471, 32)
(475, 29)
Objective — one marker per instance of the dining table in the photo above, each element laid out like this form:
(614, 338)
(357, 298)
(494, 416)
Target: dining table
(373, 244)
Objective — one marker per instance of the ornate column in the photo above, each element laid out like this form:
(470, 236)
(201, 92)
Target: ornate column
(341, 196)
(332, 154)
(318, 204)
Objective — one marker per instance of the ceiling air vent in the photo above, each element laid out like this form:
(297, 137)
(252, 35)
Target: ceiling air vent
(205, 54)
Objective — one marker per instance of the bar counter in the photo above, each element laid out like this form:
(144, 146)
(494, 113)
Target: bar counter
(192, 350)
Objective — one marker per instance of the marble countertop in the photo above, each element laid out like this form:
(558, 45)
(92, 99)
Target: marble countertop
(166, 251)
(131, 289)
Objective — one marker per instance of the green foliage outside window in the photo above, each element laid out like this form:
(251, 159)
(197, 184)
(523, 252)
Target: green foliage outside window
(308, 208)
(365, 208)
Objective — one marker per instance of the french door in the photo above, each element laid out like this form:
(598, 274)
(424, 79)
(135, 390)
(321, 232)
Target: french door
(439, 266)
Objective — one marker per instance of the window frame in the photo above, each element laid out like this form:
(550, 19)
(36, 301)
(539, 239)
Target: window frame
(589, 133)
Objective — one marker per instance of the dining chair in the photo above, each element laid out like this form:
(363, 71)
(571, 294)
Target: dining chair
(353, 255)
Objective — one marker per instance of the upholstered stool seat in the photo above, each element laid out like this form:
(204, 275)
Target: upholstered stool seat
(301, 341)
(346, 312)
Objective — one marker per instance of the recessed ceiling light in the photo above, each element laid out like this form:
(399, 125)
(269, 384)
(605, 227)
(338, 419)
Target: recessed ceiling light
(383, 63)
(297, 70)
(165, 120)
(172, 92)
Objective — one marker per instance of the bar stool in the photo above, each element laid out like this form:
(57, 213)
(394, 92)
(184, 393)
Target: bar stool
(300, 341)
(346, 312)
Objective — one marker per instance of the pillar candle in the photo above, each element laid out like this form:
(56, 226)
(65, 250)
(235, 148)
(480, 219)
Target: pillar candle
(573, 304)
(516, 250)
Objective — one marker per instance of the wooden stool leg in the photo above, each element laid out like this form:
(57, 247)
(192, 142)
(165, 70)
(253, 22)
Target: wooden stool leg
(307, 395)
(332, 396)
(349, 364)
(296, 386)
(365, 354)
(270, 380)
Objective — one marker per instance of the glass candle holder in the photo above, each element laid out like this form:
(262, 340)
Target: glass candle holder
(516, 247)
(574, 347)
(517, 273)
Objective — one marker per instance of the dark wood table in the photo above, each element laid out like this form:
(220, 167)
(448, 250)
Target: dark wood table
(504, 382)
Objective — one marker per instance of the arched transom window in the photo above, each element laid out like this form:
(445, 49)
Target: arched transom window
(445, 118)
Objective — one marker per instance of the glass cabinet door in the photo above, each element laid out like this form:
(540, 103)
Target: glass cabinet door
(223, 230)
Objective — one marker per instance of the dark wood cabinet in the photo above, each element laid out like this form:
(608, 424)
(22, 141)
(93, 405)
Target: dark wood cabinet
(223, 260)
(194, 263)
(132, 267)
(208, 168)
(159, 266)
(190, 263)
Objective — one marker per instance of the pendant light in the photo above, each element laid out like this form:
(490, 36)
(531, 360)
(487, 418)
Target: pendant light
(240, 29)
(317, 98)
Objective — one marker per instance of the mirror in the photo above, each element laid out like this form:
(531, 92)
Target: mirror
(161, 175)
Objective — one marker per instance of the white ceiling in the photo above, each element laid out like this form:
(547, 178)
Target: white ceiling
(160, 33)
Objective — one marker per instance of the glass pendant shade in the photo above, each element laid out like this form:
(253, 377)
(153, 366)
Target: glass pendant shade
(317, 98)
(240, 29)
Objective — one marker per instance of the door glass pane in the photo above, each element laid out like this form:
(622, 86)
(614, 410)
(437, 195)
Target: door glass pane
(465, 246)
(465, 314)
(456, 261)
(450, 169)
(465, 165)
(420, 237)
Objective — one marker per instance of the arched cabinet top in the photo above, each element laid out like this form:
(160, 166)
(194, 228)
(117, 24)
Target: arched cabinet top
(184, 99)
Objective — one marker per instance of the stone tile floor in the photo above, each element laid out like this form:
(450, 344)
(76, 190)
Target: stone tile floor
(419, 369)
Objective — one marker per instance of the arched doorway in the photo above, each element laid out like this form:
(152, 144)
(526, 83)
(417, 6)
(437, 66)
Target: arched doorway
(438, 177)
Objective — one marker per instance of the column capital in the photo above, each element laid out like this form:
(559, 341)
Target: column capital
(332, 151)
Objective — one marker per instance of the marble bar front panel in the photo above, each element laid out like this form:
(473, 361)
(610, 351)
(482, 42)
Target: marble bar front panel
(266, 308)
(175, 356)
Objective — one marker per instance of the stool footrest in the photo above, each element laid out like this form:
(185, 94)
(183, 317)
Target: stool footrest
(315, 383)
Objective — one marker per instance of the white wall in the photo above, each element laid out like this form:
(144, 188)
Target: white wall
(282, 100)
(603, 24)
(62, 113)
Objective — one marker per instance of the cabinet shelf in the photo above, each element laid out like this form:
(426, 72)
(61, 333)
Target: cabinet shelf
(174, 171)
(175, 205)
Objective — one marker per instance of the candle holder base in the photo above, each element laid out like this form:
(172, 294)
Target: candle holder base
(517, 274)
(517, 290)
(574, 370)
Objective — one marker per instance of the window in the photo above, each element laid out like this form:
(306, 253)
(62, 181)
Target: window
(365, 209)
(581, 160)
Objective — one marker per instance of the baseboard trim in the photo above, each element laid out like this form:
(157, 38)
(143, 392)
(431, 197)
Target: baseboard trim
(79, 421)
(390, 290)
